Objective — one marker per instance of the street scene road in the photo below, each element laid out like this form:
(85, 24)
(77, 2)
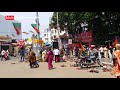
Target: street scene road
(59, 45)
(15, 69)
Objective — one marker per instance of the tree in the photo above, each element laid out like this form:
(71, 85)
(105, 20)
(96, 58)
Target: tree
(104, 25)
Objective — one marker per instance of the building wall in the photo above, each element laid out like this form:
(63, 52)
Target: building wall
(7, 28)
(47, 34)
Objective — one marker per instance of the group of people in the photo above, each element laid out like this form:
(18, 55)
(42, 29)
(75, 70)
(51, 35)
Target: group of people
(4, 55)
(49, 55)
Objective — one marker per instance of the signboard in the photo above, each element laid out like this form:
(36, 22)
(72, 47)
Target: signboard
(9, 17)
(86, 37)
(69, 41)
(38, 41)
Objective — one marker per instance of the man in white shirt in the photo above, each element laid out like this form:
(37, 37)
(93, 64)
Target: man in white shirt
(2, 53)
(56, 53)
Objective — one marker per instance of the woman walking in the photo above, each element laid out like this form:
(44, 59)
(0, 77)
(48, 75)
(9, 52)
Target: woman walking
(49, 58)
(117, 61)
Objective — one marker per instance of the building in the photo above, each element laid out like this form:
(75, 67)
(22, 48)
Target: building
(47, 36)
(7, 30)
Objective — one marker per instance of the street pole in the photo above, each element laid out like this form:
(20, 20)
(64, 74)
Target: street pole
(38, 37)
(58, 32)
(37, 23)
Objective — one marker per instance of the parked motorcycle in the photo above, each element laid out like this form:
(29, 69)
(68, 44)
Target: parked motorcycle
(88, 61)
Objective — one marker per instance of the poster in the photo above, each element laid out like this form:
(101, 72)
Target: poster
(86, 37)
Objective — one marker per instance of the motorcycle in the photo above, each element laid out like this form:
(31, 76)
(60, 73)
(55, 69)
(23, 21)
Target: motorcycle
(86, 61)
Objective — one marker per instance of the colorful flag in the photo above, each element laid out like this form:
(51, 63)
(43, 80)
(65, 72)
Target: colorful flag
(13, 35)
(35, 27)
(8, 36)
(31, 31)
(82, 48)
(17, 27)
(26, 33)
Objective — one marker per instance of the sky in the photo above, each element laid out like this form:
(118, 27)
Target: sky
(28, 18)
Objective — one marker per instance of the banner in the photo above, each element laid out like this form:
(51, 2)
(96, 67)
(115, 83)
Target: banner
(31, 31)
(35, 27)
(38, 41)
(17, 27)
(86, 37)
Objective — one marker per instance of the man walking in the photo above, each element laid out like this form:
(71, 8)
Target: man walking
(2, 53)
(56, 53)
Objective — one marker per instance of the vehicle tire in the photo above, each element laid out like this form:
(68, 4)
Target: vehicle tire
(82, 62)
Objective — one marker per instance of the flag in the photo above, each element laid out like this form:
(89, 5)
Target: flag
(35, 27)
(17, 27)
(26, 33)
(82, 48)
(13, 35)
(31, 31)
(115, 42)
(8, 36)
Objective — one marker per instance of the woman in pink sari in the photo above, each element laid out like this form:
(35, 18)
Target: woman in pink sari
(49, 58)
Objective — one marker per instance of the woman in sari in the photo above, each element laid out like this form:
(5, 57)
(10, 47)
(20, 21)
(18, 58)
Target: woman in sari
(49, 58)
(117, 61)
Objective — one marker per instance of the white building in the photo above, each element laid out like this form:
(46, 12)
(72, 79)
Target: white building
(47, 36)
(7, 28)
(51, 35)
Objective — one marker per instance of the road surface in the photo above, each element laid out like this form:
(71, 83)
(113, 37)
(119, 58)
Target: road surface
(15, 69)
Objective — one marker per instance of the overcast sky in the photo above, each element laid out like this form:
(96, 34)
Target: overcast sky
(27, 18)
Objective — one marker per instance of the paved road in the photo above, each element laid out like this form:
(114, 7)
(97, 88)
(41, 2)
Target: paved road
(15, 69)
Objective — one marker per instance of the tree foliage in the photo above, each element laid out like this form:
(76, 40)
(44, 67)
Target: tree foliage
(104, 25)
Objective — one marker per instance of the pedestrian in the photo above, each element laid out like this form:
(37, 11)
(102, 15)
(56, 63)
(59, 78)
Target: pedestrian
(2, 54)
(22, 53)
(101, 49)
(6, 55)
(117, 61)
(106, 52)
(110, 53)
(57, 55)
(44, 55)
(76, 52)
(64, 57)
(49, 58)
(61, 54)
(32, 60)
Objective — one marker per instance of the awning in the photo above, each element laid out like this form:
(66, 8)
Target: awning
(47, 44)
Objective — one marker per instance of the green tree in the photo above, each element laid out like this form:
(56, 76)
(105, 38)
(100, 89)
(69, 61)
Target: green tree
(104, 25)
